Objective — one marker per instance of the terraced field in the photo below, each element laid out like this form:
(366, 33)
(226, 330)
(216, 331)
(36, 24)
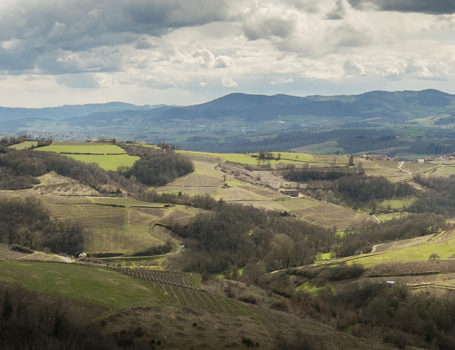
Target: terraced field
(251, 158)
(208, 178)
(417, 168)
(180, 289)
(119, 225)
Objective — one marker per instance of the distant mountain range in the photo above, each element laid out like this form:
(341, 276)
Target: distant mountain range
(243, 121)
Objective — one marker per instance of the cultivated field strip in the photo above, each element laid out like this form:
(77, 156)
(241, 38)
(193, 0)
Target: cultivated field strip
(178, 287)
(154, 276)
(89, 215)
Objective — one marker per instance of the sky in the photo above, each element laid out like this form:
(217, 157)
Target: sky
(182, 52)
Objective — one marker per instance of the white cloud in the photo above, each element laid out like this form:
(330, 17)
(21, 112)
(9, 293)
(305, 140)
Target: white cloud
(80, 81)
(353, 68)
(221, 62)
(282, 81)
(228, 82)
(175, 49)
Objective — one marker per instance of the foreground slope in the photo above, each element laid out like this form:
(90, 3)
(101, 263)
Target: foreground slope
(144, 315)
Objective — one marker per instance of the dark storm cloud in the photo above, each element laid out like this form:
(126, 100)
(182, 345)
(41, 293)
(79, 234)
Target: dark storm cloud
(423, 6)
(33, 28)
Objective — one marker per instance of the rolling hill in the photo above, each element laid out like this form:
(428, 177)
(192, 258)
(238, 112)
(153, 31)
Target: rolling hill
(244, 122)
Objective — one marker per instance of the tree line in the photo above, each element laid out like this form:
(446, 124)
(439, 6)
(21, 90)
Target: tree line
(18, 169)
(397, 314)
(27, 223)
(348, 186)
(438, 197)
(13, 140)
(156, 167)
(320, 173)
(235, 236)
(363, 239)
(29, 320)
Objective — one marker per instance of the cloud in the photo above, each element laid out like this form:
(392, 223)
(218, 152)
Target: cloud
(38, 28)
(143, 43)
(204, 58)
(352, 68)
(423, 6)
(221, 62)
(144, 49)
(310, 6)
(282, 81)
(228, 82)
(348, 35)
(338, 12)
(79, 81)
(268, 22)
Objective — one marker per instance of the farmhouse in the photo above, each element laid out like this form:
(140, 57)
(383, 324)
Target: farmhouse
(291, 192)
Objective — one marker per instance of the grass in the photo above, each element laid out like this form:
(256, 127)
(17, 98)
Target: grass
(311, 288)
(397, 204)
(106, 162)
(95, 285)
(406, 252)
(445, 170)
(107, 156)
(83, 148)
(323, 256)
(24, 145)
(248, 159)
(390, 216)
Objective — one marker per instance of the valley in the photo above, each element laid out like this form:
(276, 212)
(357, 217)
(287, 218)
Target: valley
(144, 256)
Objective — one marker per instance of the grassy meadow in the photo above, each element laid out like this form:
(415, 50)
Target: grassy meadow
(24, 145)
(83, 148)
(94, 285)
(419, 248)
(107, 162)
(107, 156)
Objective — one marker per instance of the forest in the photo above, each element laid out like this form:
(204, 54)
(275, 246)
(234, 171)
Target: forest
(30, 320)
(348, 186)
(234, 236)
(25, 222)
(156, 167)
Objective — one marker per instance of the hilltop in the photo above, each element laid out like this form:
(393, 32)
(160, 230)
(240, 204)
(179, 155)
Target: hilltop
(403, 123)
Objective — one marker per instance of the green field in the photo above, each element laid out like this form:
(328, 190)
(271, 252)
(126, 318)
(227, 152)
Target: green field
(107, 162)
(83, 148)
(408, 250)
(24, 145)
(94, 285)
(390, 216)
(396, 204)
(115, 291)
(107, 156)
